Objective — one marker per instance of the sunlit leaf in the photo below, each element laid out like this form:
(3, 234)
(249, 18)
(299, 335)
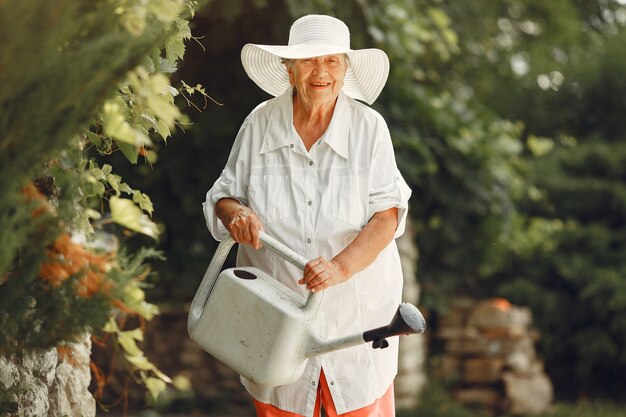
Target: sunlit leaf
(115, 124)
(165, 10)
(98, 188)
(125, 188)
(140, 362)
(183, 28)
(131, 152)
(540, 146)
(174, 49)
(129, 344)
(97, 174)
(111, 326)
(438, 16)
(127, 214)
(155, 387)
(182, 383)
(114, 182)
(162, 376)
(144, 201)
(93, 138)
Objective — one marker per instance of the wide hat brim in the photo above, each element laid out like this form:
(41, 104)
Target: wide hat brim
(364, 80)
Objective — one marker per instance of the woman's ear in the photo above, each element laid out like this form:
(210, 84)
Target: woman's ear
(292, 77)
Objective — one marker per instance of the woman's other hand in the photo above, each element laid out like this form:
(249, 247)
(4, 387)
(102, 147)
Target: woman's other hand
(358, 255)
(320, 274)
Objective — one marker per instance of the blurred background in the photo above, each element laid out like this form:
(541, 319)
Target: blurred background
(508, 123)
(507, 120)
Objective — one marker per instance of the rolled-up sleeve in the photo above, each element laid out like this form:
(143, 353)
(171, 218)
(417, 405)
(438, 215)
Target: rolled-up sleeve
(230, 184)
(387, 186)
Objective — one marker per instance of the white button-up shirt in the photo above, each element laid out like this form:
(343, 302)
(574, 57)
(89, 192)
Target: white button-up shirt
(316, 202)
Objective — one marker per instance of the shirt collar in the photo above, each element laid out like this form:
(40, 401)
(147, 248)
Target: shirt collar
(338, 131)
(281, 132)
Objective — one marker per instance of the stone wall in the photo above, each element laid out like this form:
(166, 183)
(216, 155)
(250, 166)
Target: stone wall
(489, 358)
(411, 362)
(49, 383)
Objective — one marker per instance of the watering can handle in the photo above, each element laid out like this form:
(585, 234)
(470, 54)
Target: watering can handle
(217, 262)
(294, 258)
(284, 251)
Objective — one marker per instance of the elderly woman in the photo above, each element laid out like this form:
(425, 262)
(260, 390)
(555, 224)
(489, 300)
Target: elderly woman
(315, 169)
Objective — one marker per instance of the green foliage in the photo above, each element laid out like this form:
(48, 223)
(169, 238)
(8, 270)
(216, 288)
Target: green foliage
(576, 285)
(54, 80)
(561, 66)
(586, 409)
(80, 78)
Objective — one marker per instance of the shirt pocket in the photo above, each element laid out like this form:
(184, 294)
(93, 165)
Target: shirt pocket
(345, 199)
(271, 197)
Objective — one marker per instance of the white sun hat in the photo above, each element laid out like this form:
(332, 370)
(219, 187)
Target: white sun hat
(313, 36)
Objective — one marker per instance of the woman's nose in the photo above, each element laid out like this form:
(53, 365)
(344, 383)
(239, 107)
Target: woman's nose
(319, 67)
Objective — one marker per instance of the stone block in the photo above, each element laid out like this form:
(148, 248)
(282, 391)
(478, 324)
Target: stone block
(478, 396)
(457, 332)
(9, 373)
(455, 317)
(524, 363)
(482, 370)
(499, 314)
(527, 394)
(449, 367)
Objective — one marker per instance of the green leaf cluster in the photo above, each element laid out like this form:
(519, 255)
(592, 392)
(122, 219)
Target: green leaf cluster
(80, 80)
(558, 68)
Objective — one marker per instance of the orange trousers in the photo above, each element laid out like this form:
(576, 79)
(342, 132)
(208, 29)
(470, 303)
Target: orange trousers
(382, 407)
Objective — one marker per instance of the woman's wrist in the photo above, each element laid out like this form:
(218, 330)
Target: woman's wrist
(342, 268)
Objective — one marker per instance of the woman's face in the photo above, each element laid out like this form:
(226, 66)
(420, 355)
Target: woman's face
(318, 80)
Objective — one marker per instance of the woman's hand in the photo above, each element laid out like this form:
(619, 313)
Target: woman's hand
(358, 255)
(241, 222)
(320, 274)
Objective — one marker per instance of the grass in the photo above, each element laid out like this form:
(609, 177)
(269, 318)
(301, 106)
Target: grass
(436, 402)
(586, 409)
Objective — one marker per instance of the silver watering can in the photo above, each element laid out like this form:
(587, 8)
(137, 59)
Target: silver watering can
(262, 329)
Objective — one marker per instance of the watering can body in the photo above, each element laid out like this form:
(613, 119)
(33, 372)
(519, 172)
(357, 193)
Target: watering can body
(254, 325)
(262, 329)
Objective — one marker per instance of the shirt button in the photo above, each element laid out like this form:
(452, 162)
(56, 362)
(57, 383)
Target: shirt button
(332, 382)
(308, 241)
(310, 203)
(312, 383)
(291, 146)
(310, 163)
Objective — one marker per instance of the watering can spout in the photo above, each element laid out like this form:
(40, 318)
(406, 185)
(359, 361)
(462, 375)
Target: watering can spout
(407, 320)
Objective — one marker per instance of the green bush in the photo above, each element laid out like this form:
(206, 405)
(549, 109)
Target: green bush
(80, 78)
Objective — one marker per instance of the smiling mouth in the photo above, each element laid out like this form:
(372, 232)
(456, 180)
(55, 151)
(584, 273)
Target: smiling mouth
(319, 84)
